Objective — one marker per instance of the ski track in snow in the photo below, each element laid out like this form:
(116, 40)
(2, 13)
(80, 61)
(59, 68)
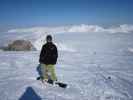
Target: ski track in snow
(91, 73)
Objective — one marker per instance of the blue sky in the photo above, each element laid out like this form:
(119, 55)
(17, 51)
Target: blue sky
(23, 13)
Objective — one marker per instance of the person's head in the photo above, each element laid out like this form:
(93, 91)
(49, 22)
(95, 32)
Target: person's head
(49, 38)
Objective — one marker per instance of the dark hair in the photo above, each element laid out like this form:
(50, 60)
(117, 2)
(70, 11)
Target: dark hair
(49, 37)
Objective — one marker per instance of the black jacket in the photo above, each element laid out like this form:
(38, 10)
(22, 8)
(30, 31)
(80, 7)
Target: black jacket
(49, 54)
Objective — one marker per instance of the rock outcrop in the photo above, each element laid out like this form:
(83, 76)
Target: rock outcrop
(20, 45)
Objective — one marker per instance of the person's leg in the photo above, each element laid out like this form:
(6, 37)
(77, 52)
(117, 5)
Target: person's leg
(44, 71)
(51, 69)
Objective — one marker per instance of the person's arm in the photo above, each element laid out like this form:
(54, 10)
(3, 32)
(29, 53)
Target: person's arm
(56, 52)
(42, 54)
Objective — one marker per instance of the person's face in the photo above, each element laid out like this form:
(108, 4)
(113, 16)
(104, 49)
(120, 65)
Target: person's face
(49, 40)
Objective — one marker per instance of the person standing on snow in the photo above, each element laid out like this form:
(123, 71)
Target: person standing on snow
(48, 58)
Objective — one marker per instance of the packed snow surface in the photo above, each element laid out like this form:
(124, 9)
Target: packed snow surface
(96, 66)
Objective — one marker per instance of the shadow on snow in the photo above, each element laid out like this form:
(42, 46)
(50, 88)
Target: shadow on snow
(30, 94)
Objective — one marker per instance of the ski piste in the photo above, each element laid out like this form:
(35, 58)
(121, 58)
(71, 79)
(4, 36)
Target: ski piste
(60, 84)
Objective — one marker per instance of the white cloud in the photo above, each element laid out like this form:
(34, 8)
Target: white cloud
(85, 28)
(125, 28)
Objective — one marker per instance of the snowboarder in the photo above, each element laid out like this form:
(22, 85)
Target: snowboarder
(48, 58)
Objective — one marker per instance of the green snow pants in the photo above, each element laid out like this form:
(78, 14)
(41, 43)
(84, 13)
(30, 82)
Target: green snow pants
(48, 71)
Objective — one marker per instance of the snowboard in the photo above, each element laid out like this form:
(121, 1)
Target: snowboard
(60, 84)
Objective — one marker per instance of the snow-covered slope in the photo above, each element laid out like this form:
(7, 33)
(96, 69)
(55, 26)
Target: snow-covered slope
(95, 66)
